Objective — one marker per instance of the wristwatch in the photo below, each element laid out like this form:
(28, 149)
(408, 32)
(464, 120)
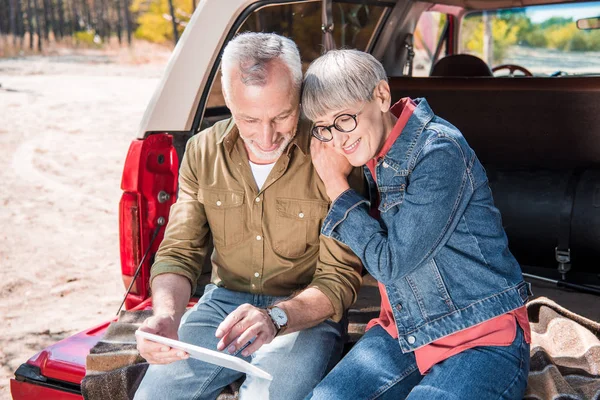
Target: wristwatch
(279, 318)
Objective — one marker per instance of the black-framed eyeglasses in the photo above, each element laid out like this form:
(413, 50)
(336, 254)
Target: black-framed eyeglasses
(345, 123)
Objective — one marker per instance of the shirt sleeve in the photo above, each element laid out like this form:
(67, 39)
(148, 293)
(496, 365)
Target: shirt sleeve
(337, 275)
(186, 239)
(437, 193)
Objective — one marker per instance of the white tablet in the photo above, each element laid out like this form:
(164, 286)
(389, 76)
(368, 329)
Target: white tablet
(210, 356)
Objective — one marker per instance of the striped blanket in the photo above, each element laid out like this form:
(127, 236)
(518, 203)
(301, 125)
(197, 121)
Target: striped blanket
(565, 357)
(114, 368)
(565, 353)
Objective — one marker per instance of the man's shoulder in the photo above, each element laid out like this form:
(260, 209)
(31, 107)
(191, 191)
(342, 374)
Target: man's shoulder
(213, 135)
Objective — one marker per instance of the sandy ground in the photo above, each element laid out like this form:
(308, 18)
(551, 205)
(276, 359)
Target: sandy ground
(66, 122)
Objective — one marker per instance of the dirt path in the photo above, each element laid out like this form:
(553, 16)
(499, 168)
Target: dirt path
(66, 123)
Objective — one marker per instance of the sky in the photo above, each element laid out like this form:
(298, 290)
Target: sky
(574, 10)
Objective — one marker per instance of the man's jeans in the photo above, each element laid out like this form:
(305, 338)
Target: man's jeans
(298, 361)
(376, 368)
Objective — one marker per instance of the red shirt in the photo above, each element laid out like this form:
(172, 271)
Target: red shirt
(499, 331)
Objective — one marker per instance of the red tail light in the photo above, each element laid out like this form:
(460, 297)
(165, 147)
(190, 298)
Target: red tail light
(129, 222)
(149, 189)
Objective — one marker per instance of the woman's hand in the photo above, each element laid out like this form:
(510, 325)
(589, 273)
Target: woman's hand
(332, 167)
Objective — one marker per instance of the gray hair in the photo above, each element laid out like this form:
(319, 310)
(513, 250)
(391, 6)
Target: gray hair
(251, 52)
(338, 79)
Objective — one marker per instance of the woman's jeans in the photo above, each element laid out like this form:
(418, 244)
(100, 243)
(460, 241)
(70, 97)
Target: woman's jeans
(298, 361)
(376, 368)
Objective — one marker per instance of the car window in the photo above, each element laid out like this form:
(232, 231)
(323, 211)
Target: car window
(545, 40)
(427, 35)
(355, 26)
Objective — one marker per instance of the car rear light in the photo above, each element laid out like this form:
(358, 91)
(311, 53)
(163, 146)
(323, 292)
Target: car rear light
(149, 187)
(129, 223)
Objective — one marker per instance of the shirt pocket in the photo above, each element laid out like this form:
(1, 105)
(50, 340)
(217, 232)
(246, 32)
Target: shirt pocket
(392, 194)
(225, 212)
(297, 225)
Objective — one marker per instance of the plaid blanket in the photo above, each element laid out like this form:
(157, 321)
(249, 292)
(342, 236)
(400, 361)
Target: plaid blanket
(565, 357)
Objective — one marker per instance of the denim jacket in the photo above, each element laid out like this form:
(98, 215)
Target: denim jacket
(439, 246)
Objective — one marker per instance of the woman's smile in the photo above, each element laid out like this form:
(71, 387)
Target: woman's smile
(352, 148)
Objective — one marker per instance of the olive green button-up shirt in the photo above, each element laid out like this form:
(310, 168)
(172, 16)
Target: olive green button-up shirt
(267, 240)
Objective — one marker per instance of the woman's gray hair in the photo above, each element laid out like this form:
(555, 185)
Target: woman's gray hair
(251, 52)
(338, 79)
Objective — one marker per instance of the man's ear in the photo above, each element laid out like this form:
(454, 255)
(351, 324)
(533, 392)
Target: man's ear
(383, 96)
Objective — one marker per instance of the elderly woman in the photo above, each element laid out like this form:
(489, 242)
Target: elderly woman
(453, 323)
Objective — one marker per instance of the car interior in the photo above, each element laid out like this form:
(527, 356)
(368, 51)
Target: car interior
(538, 135)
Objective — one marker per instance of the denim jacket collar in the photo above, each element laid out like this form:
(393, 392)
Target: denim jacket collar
(402, 149)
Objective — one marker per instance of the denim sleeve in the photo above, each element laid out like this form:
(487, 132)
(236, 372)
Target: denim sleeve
(409, 233)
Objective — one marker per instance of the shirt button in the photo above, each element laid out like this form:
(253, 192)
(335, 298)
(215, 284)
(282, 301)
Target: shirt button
(219, 203)
(301, 215)
(399, 307)
(411, 340)
(256, 274)
(257, 199)
(385, 165)
(258, 237)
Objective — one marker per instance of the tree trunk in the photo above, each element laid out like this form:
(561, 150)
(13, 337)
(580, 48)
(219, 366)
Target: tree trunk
(76, 17)
(96, 18)
(127, 20)
(119, 22)
(61, 19)
(71, 18)
(30, 23)
(53, 23)
(87, 15)
(20, 23)
(46, 6)
(38, 28)
(105, 20)
(5, 18)
(172, 10)
(13, 20)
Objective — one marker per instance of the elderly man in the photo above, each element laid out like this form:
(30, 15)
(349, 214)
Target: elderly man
(249, 182)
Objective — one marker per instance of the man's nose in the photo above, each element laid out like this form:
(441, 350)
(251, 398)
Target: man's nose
(268, 134)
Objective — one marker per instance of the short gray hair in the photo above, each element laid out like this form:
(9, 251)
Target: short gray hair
(338, 79)
(251, 52)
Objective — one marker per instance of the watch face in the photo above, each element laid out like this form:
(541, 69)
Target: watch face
(279, 316)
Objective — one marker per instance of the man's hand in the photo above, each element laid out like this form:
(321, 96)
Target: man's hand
(155, 353)
(241, 326)
(333, 168)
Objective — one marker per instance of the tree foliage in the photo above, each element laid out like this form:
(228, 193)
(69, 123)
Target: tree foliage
(514, 27)
(154, 21)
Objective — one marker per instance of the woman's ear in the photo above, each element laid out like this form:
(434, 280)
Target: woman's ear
(382, 95)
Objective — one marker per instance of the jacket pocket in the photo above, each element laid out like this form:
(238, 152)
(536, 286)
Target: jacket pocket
(430, 292)
(297, 225)
(393, 194)
(225, 212)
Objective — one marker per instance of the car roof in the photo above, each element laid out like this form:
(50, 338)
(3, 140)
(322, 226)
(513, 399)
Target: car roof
(193, 63)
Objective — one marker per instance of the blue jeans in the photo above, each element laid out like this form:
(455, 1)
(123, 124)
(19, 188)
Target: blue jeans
(298, 361)
(376, 368)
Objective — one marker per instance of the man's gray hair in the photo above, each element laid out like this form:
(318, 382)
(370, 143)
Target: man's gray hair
(338, 79)
(251, 52)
